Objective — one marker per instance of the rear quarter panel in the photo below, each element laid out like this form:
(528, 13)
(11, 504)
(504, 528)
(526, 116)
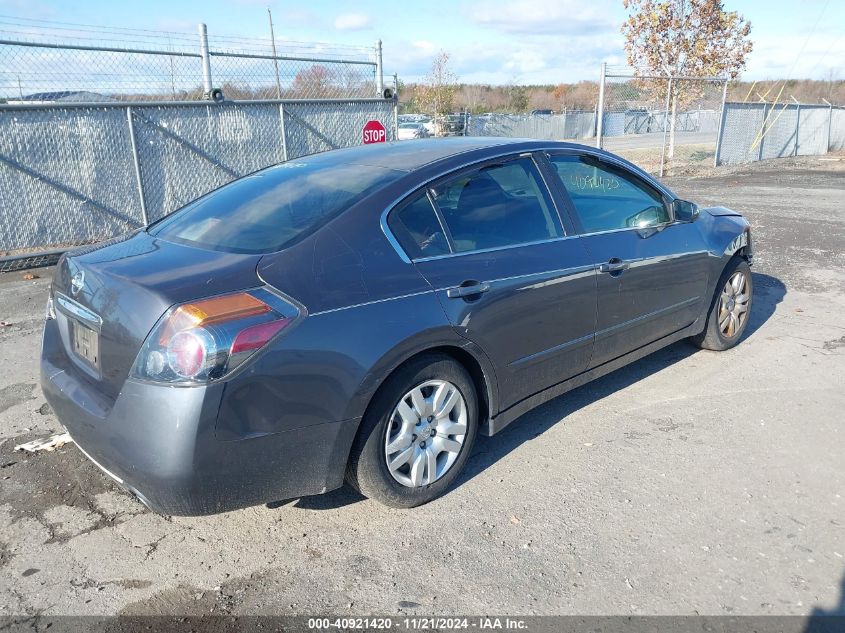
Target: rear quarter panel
(329, 366)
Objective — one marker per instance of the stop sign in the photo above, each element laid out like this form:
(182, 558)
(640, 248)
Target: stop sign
(374, 132)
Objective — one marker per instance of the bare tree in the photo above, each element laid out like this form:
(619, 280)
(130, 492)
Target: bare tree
(438, 92)
(472, 96)
(314, 81)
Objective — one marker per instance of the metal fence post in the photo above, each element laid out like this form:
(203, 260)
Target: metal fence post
(797, 125)
(763, 131)
(284, 135)
(206, 59)
(379, 70)
(144, 219)
(721, 125)
(829, 123)
(396, 106)
(665, 126)
(600, 106)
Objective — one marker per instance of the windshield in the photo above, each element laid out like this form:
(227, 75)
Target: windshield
(273, 208)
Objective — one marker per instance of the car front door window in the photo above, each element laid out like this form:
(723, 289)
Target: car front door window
(606, 198)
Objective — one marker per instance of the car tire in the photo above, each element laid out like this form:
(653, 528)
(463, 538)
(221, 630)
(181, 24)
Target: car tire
(721, 331)
(368, 470)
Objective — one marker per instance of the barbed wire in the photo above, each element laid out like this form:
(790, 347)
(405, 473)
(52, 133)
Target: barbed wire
(33, 30)
(43, 60)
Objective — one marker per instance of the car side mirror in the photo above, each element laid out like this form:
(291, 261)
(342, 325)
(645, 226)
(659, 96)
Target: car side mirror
(685, 211)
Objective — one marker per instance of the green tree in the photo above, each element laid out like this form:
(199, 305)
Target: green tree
(518, 98)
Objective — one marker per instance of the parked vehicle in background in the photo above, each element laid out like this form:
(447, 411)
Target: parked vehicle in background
(366, 312)
(451, 125)
(408, 131)
(542, 112)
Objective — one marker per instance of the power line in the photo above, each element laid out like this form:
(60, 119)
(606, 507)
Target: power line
(807, 41)
(826, 53)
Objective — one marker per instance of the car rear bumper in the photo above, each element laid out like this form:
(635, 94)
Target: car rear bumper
(159, 443)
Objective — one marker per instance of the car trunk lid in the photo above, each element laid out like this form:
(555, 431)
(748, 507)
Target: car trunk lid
(109, 297)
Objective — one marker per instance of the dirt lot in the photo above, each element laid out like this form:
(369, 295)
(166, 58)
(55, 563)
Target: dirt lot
(688, 483)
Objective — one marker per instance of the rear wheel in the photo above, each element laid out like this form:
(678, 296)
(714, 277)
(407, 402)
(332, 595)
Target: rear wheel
(731, 308)
(416, 434)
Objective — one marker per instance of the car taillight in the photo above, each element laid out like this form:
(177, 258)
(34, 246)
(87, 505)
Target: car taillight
(205, 340)
(186, 352)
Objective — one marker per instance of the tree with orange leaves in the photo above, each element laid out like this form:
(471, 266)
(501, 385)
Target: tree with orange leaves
(691, 38)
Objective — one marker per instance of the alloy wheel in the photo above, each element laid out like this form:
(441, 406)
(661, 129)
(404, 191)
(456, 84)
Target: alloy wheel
(733, 305)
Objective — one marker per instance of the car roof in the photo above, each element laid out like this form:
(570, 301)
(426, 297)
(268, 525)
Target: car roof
(411, 155)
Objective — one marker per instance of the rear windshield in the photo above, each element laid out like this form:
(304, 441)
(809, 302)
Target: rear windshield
(273, 208)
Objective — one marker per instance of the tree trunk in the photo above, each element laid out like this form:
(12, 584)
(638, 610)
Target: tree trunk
(672, 118)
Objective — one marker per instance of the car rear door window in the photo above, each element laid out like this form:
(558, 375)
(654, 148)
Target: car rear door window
(418, 230)
(273, 208)
(497, 205)
(607, 197)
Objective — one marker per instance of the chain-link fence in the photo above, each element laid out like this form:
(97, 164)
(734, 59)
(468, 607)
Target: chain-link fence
(76, 174)
(659, 120)
(41, 62)
(573, 124)
(758, 131)
(102, 129)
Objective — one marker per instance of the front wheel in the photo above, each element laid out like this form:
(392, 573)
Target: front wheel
(728, 316)
(416, 434)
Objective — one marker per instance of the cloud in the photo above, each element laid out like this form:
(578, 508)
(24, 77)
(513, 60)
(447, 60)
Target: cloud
(352, 22)
(527, 60)
(530, 17)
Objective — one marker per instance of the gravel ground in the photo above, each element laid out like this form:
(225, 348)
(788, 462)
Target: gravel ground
(687, 483)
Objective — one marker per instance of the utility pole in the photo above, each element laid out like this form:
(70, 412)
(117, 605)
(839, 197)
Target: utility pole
(275, 58)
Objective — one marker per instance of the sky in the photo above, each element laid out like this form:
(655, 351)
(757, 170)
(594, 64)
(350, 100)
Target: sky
(489, 41)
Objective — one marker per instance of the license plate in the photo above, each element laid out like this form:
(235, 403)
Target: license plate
(86, 344)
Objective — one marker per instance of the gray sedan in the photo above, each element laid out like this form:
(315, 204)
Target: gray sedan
(362, 315)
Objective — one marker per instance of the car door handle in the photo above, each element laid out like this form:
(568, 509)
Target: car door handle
(615, 265)
(468, 289)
